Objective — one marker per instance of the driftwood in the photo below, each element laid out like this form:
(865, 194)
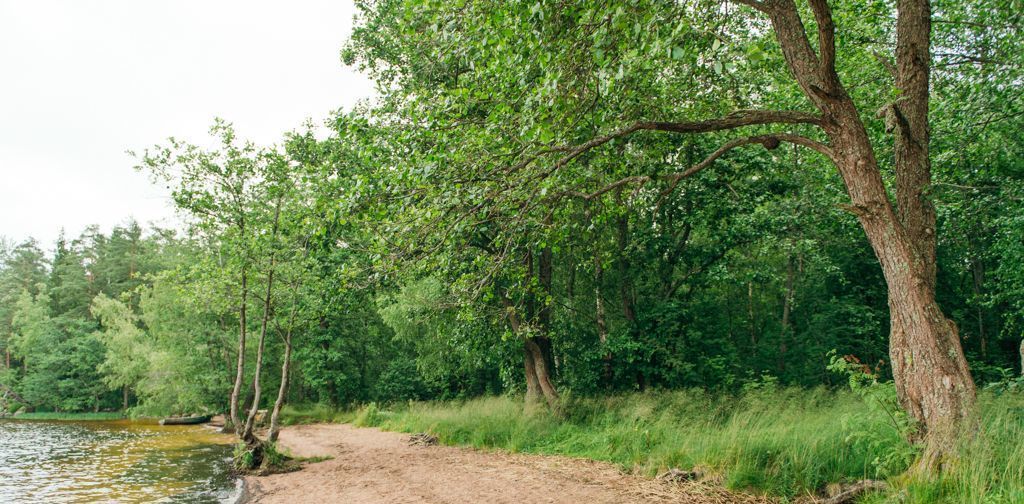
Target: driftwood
(674, 475)
(8, 391)
(422, 439)
(846, 494)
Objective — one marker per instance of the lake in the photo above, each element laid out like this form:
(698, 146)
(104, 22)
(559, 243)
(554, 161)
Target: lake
(113, 461)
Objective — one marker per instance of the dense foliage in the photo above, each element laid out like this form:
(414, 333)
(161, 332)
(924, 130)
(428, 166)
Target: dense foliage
(494, 201)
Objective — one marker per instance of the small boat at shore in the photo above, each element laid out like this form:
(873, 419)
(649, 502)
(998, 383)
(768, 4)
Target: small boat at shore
(190, 420)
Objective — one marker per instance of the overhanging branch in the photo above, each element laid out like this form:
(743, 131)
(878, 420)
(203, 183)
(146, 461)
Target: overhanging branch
(769, 142)
(734, 120)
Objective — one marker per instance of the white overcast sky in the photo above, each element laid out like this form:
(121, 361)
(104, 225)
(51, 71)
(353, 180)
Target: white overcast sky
(82, 81)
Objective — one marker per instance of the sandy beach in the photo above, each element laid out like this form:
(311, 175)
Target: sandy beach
(372, 466)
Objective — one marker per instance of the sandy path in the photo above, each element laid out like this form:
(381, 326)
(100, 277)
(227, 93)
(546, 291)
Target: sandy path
(371, 466)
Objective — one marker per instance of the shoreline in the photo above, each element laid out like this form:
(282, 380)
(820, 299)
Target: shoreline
(72, 417)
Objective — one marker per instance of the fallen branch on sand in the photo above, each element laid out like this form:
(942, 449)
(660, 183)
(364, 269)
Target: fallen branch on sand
(422, 439)
(846, 494)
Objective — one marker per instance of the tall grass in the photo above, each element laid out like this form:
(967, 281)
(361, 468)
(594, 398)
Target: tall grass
(783, 442)
(990, 467)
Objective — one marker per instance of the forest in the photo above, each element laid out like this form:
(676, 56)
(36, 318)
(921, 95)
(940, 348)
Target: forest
(559, 212)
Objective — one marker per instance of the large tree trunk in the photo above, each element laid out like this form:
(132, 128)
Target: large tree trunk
(533, 392)
(545, 277)
(236, 421)
(535, 366)
(929, 368)
(542, 373)
(932, 380)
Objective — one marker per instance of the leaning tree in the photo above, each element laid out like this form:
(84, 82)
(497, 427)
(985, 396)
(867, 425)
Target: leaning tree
(932, 379)
(512, 97)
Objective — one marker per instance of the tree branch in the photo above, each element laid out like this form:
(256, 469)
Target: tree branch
(768, 141)
(734, 120)
(826, 35)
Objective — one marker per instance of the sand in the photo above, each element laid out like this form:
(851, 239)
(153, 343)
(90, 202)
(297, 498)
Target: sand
(372, 466)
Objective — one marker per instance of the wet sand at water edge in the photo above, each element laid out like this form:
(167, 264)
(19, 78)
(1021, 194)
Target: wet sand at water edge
(372, 466)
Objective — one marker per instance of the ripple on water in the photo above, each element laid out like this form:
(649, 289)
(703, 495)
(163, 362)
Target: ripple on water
(118, 461)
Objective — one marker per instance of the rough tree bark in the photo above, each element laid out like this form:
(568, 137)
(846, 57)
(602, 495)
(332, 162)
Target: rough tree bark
(930, 371)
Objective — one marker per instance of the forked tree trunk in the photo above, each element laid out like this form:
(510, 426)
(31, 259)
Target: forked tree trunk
(236, 421)
(929, 368)
(542, 373)
(535, 367)
(932, 380)
(247, 434)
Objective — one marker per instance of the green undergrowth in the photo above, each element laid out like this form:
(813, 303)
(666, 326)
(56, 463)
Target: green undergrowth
(778, 441)
(314, 413)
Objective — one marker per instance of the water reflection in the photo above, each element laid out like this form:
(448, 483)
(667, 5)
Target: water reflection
(118, 461)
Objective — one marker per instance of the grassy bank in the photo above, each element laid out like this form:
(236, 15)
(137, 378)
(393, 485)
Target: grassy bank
(784, 442)
(47, 415)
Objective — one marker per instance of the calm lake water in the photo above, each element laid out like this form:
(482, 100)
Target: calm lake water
(116, 461)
